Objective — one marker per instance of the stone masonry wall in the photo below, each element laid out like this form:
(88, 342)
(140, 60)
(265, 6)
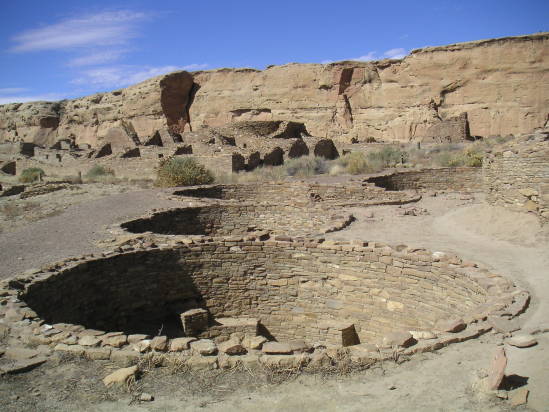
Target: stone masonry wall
(231, 220)
(298, 290)
(449, 179)
(301, 193)
(517, 176)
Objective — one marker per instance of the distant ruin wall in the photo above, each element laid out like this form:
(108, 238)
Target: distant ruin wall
(518, 177)
(456, 179)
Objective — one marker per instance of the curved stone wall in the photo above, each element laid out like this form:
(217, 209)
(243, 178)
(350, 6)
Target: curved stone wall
(301, 193)
(298, 290)
(239, 220)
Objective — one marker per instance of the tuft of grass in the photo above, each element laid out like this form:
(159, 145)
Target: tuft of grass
(32, 174)
(174, 171)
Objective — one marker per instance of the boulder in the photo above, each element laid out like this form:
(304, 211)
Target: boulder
(232, 347)
(326, 148)
(450, 325)
(522, 341)
(497, 370)
(398, 339)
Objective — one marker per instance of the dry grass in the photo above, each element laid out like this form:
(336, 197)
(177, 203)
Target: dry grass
(13, 210)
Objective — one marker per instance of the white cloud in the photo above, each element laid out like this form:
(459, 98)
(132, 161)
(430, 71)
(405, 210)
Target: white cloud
(50, 97)
(102, 57)
(101, 29)
(12, 90)
(195, 66)
(119, 76)
(397, 53)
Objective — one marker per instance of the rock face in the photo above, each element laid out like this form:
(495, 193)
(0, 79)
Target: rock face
(119, 117)
(481, 88)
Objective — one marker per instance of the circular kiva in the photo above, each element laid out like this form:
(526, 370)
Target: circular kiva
(323, 294)
(299, 193)
(240, 219)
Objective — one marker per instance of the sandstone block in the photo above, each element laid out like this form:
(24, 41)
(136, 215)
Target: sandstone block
(124, 357)
(159, 343)
(180, 344)
(120, 376)
(204, 347)
(232, 347)
(497, 370)
(450, 325)
(277, 348)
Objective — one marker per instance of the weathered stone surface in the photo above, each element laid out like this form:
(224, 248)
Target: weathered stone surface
(120, 376)
(21, 365)
(450, 325)
(98, 353)
(19, 353)
(519, 397)
(423, 334)
(180, 344)
(522, 341)
(497, 370)
(116, 341)
(204, 347)
(413, 98)
(276, 348)
(285, 361)
(202, 362)
(232, 347)
(159, 343)
(89, 341)
(401, 338)
(254, 342)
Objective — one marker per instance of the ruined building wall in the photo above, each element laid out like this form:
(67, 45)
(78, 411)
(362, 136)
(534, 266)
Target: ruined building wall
(517, 176)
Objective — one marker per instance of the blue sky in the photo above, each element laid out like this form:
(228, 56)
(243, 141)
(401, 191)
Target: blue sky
(51, 50)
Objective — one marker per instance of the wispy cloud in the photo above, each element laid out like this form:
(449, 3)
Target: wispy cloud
(118, 76)
(397, 53)
(102, 29)
(96, 58)
(23, 98)
(12, 90)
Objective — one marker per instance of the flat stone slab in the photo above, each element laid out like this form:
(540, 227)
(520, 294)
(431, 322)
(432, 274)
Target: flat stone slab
(17, 353)
(522, 341)
(237, 321)
(503, 325)
(277, 348)
(497, 370)
(21, 365)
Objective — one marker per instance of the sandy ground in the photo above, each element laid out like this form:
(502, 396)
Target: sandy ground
(511, 244)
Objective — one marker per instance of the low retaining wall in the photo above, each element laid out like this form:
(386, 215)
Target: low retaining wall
(457, 179)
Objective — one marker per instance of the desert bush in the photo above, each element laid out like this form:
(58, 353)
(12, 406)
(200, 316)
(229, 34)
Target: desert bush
(32, 174)
(306, 166)
(473, 157)
(388, 156)
(354, 163)
(177, 171)
(98, 170)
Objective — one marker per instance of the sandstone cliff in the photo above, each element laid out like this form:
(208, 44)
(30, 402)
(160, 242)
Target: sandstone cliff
(488, 87)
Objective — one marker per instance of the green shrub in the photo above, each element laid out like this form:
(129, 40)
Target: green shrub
(388, 156)
(306, 166)
(99, 171)
(177, 171)
(356, 163)
(473, 158)
(32, 174)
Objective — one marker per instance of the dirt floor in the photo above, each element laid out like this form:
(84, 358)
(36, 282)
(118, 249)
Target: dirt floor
(510, 243)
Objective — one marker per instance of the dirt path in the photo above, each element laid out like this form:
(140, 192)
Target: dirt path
(72, 232)
(512, 244)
